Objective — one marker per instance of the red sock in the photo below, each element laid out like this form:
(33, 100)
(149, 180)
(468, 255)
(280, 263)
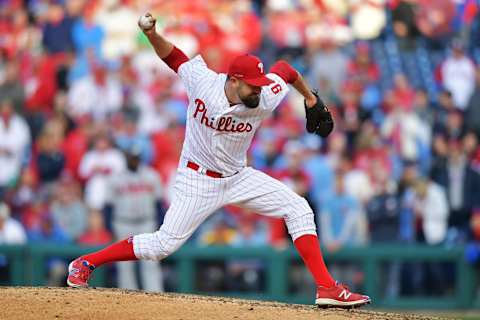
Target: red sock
(119, 251)
(309, 249)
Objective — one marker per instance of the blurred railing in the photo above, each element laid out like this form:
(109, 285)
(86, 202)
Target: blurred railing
(28, 267)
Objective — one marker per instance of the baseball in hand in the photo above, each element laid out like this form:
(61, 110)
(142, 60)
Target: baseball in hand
(146, 22)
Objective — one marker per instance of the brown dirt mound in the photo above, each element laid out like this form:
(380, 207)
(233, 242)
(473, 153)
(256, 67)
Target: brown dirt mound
(115, 304)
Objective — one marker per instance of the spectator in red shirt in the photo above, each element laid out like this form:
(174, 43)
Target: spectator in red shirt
(32, 216)
(434, 20)
(404, 94)
(293, 175)
(96, 233)
(286, 28)
(42, 84)
(350, 111)
(370, 154)
(75, 145)
(168, 144)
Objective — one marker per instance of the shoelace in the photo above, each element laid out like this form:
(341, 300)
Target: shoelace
(84, 273)
(344, 286)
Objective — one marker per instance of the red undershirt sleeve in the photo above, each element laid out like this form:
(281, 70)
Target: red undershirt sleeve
(283, 69)
(175, 59)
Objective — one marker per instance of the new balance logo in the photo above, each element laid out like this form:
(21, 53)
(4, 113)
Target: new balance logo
(345, 294)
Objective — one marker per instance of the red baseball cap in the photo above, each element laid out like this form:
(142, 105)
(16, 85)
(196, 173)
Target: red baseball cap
(249, 68)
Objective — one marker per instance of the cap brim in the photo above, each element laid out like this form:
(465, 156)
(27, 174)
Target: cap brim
(259, 82)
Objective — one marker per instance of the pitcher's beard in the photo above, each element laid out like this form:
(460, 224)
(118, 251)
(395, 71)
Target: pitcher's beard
(251, 101)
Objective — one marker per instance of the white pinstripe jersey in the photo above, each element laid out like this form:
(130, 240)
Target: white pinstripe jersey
(218, 135)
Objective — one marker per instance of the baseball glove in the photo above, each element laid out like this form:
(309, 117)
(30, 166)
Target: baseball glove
(319, 119)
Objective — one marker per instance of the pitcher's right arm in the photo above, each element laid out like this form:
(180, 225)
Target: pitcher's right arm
(165, 50)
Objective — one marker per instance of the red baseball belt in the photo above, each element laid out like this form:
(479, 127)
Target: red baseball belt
(210, 173)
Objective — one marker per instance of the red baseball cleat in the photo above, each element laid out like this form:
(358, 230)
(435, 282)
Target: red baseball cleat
(79, 271)
(339, 296)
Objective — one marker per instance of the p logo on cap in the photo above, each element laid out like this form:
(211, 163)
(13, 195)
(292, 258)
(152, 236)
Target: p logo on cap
(249, 68)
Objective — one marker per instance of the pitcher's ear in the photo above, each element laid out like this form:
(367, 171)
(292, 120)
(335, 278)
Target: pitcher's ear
(234, 81)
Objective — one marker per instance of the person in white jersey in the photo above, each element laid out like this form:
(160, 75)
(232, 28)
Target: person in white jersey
(224, 112)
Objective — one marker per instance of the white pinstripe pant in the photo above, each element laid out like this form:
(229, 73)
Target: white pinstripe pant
(197, 196)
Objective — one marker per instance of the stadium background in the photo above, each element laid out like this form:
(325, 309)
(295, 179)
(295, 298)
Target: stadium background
(79, 84)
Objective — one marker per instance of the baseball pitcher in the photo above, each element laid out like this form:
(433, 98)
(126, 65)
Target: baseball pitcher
(224, 112)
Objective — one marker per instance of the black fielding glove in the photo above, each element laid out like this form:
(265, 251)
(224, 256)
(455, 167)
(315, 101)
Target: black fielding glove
(319, 119)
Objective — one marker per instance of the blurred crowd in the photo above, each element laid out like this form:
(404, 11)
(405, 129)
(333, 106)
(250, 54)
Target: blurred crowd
(84, 100)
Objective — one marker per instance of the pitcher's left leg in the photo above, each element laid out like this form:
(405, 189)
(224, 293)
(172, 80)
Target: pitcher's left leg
(80, 269)
(265, 195)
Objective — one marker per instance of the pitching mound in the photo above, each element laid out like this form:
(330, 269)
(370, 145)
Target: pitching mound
(115, 304)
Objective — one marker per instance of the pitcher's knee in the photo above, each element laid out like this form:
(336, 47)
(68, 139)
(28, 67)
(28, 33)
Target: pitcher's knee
(300, 219)
(302, 205)
(156, 246)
